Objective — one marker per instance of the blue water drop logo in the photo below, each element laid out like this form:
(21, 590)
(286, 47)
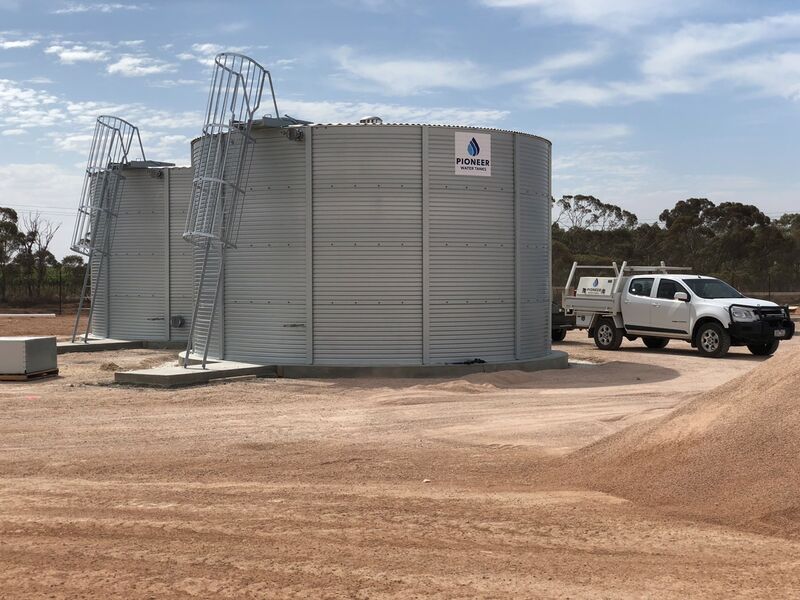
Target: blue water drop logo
(596, 282)
(472, 148)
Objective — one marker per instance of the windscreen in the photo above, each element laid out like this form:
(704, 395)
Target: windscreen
(712, 288)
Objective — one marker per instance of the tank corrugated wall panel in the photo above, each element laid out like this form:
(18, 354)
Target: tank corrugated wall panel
(180, 252)
(471, 254)
(367, 257)
(265, 291)
(138, 300)
(535, 229)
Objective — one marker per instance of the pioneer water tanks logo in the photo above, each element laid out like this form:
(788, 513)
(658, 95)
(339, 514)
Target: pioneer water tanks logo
(596, 282)
(473, 153)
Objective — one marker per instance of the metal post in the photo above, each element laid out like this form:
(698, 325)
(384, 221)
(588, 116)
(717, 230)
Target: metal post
(426, 247)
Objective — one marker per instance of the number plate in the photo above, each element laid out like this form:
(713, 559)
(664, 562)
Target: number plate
(779, 333)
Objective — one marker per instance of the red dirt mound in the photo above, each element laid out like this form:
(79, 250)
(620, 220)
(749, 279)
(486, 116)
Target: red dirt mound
(731, 455)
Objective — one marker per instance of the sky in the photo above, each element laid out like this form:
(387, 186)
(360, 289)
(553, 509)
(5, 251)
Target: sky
(646, 102)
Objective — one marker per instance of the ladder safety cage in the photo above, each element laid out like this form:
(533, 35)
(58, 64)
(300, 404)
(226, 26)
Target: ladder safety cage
(222, 161)
(95, 223)
(224, 149)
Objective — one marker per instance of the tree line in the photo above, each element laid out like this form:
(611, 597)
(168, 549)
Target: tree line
(733, 241)
(29, 272)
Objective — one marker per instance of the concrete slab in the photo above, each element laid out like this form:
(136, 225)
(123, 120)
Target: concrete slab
(101, 345)
(175, 376)
(555, 360)
(98, 345)
(194, 374)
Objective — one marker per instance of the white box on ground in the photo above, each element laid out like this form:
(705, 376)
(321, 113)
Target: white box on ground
(24, 355)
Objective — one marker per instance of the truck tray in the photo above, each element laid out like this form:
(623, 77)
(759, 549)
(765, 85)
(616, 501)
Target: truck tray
(593, 304)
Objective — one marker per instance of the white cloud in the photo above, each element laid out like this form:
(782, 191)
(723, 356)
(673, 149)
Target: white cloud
(589, 132)
(22, 106)
(102, 7)
(138, 66)
(690, 61)
(381, 6)
(204, 53)
(772, 75)
(567, 61)
(71, 143)
(234, 27)
(14, 132)
(687, 48)
(70, 54)
(173, 83)
(605, 14)
(405, 77)
(12, 44)
(158, 145)
(285, 63)
(46, 188)
(85, 113)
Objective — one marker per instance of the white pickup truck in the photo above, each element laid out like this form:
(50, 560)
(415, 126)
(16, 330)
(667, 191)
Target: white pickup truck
(661, 303)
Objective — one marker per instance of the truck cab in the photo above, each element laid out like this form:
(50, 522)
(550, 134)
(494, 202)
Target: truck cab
(659, 304)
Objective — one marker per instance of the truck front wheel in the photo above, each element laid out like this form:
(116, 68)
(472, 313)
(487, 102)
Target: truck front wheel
(764, 349)
(607, 336)
(713, 340)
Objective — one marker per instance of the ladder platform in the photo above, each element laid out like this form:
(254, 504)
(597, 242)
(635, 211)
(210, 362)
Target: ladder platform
(193, 374)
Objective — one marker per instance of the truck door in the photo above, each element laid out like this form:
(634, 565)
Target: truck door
(636, 303)
(668, 315)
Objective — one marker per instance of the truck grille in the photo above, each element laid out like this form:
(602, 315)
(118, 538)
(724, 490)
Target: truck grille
(772, 313)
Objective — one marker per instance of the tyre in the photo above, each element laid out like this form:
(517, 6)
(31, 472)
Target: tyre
(713, 340)
(607, 336)
(763, 349)
(558, 335)
(655, 342)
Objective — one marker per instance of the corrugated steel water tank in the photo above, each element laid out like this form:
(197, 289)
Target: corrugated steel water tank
(146, 293)
(390, 245)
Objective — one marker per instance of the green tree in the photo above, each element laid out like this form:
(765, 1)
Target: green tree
(10, 240)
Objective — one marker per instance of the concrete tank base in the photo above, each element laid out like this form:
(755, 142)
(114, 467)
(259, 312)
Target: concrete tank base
(555, 360)
(175, 376)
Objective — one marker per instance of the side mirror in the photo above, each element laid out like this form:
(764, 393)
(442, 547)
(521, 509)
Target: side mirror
(683, 296)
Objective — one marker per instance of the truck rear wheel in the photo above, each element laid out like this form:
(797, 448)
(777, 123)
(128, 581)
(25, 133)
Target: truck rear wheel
(764, 349)
(713, 340)
(558, 335)
(655, 342)
(607, 336)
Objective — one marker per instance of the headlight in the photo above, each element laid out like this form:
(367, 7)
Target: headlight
(743, 314)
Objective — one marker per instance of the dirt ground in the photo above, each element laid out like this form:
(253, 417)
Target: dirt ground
(269, 488)
(59, 326)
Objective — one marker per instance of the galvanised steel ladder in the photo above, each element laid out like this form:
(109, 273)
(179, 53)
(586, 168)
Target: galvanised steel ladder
(221, 163)
(96, 220)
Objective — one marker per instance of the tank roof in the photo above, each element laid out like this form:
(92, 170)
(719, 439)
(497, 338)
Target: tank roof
(288, 121)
